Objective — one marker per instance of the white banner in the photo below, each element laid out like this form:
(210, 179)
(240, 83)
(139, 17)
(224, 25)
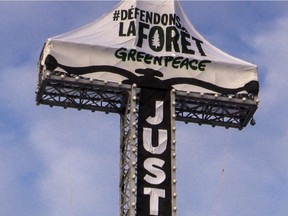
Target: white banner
(140, 39)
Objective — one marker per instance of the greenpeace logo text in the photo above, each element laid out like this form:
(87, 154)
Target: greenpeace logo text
(167, 61)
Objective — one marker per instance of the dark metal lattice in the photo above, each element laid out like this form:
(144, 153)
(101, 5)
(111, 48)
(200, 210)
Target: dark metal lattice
(215, 110)
(57, 89)
(73, 92)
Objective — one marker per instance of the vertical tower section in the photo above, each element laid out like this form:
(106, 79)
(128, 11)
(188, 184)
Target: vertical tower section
(173, 151)
(128, 156)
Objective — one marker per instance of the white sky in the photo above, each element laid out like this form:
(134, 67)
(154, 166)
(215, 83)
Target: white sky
(35, 142)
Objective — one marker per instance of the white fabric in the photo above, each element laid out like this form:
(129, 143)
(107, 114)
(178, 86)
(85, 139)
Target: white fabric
(155, 194)
(100, 42)
(158, 118)
(162, 141)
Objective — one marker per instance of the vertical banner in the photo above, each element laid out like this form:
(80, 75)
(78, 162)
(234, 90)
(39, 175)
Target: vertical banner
(154, 153)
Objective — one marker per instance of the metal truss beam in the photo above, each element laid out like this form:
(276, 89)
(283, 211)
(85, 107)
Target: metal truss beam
(73, 92)
(233, 111)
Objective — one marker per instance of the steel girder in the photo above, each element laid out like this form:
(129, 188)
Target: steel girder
(128, 156)
(57, 89)
(232, 111)
(73, 92)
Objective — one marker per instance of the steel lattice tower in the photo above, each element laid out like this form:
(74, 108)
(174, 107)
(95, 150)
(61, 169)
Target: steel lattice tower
(68, 91)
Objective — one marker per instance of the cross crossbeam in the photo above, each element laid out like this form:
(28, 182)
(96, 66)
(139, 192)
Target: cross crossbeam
(233, 111)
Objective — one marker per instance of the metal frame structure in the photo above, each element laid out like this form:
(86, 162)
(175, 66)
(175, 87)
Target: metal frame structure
(227, 111)
(60, 89)
(56, 89)
(173, 151)
(128, 157)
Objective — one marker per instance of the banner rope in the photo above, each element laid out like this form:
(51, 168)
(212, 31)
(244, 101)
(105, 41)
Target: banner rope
(220, 186)
(66, 120)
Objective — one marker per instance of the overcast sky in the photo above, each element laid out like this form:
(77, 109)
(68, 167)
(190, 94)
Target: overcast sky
(56, 162)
